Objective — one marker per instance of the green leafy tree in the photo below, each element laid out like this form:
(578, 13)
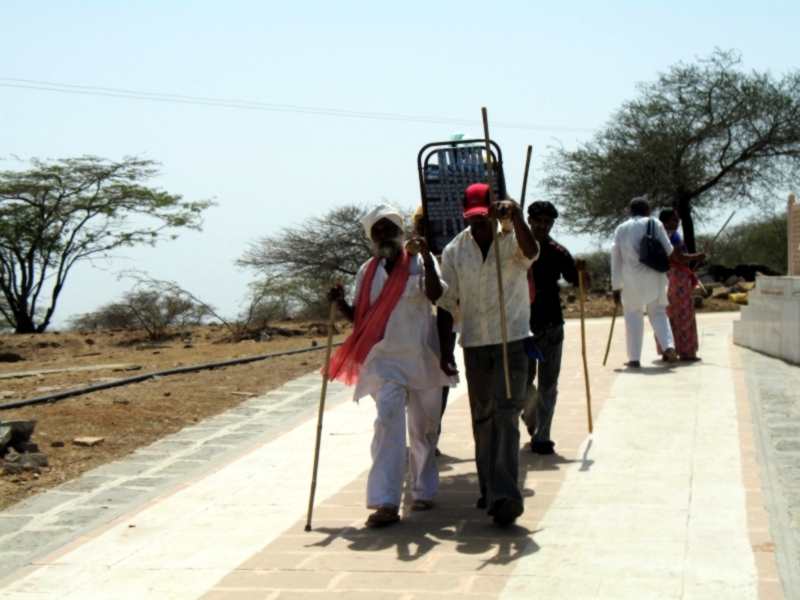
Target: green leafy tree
(60, 212)
(701, 137)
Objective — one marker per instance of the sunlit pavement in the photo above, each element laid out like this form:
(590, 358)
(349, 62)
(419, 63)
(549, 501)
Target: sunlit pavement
(664, 500)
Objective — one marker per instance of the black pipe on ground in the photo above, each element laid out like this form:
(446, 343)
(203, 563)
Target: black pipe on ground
(146, 376)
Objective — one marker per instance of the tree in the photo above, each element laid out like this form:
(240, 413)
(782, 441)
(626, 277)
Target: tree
(759, 241)
(319, 248)
(702, 136)
(153, 310)
(63, 211)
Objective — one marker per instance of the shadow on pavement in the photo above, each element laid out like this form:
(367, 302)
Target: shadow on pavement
(454, 521)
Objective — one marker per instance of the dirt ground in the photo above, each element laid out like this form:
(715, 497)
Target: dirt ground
(136, 415)
(598, 304)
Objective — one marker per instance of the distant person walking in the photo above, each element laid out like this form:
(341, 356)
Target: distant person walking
(638, 287)
(682, 282)
(547, 323)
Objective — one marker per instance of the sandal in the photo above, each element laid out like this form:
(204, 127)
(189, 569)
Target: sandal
(422, 505)
(383, 516)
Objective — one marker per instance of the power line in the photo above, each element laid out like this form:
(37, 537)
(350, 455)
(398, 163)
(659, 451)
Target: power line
(289, 108)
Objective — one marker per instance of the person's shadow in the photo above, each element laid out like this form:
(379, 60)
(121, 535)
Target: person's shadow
(454, 520)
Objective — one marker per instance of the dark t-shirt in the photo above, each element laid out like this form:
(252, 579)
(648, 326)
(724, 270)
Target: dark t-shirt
(554, 262)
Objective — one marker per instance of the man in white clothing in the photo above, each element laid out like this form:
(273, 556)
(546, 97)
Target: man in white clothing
(469, 268)
(393, 355)
(638, 287)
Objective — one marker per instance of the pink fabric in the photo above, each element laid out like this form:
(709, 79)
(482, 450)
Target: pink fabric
(370, 321)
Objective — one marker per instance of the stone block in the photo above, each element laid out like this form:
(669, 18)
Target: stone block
(12, 524)
(88, 441)
(87, 483)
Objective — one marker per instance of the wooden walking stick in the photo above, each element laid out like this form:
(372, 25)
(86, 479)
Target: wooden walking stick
(610, 333)
(525, 178)
(321, 410)
(495, 244)
(583, 352)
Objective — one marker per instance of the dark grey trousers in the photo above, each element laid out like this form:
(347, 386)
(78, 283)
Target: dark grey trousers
(495, 418)
(540, 404)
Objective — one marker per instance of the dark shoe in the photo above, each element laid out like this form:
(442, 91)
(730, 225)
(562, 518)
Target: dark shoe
(634, 364)
(437, 452)
(506, 511)
(384, 515)
(481, 503)
(672, 356)
(543, 447)
(690, 359)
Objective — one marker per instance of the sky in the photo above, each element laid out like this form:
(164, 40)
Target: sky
(564, 67)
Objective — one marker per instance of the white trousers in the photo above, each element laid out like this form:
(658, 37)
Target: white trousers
(385, 481)
(634, 329)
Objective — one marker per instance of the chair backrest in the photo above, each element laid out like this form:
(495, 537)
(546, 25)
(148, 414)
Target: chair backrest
(446, 170)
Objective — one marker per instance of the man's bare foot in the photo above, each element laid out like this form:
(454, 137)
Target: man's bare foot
(633, 363)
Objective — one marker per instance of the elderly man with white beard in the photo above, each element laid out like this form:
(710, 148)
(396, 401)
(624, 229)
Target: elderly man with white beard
(393, 355)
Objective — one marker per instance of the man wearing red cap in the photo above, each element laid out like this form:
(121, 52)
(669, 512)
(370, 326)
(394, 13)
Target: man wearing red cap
(469, 269)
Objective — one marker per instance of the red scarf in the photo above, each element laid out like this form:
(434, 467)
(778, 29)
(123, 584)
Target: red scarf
(369, 324)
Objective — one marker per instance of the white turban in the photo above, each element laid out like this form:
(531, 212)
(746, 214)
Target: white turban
(382, 211)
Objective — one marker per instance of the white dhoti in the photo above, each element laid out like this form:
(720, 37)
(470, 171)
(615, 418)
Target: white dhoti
(423, 410)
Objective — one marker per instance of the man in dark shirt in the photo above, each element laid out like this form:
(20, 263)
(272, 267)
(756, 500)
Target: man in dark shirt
(547, 323)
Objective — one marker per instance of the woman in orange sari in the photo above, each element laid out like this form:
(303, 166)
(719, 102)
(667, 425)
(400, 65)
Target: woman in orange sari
(682, 282)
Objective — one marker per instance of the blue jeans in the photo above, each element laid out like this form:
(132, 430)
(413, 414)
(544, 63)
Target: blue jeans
(495, 418)
(540, 404)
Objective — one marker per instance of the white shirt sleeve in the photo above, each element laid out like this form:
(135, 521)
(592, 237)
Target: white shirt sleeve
(359, 280)
(449, 300)
(616, 262)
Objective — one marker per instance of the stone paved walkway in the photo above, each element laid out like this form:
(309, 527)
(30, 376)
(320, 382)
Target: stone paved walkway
(774, 390)
(664, 500)
(47, 521)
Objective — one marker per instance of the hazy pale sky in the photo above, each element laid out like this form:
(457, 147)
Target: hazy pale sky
(564, 66)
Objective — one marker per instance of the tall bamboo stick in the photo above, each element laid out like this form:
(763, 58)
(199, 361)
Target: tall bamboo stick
(525, 178)
(498, 264)
(324, 390)
(583, 352)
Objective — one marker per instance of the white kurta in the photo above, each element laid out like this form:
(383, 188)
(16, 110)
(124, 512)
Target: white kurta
(640, 284)
(408, 354)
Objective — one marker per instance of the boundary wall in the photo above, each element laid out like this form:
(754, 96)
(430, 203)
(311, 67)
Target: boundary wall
(770, 322)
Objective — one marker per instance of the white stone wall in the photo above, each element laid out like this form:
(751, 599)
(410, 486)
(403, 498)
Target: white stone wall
(771, 321)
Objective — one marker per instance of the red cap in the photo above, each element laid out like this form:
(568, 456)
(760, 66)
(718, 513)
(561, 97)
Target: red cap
(476, 200)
